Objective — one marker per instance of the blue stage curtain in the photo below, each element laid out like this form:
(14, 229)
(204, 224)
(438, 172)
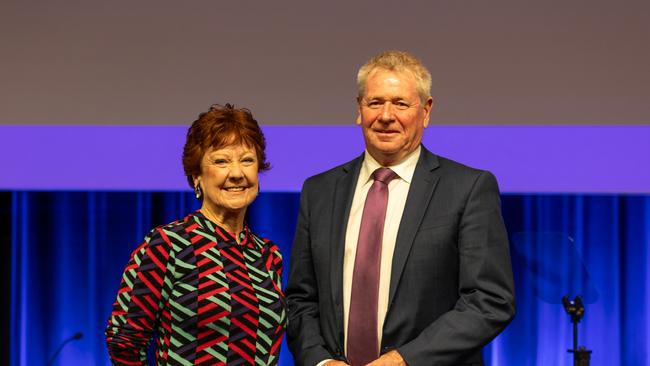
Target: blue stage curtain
(610, 235)
(69, 250)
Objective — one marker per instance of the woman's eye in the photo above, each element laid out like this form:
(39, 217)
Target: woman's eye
(220, 161)
(248, 161)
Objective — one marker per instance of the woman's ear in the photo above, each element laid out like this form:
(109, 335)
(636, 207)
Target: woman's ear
(198, 192)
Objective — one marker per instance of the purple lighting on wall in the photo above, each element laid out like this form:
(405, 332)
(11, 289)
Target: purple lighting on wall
(597, 159)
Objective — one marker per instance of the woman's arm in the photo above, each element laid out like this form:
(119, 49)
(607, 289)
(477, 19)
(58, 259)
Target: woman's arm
(142, 294)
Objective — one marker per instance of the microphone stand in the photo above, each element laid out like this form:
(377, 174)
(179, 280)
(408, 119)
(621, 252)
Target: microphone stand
(575, 308)
(75, 337)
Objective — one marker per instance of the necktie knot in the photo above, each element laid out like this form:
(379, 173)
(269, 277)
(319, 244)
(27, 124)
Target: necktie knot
(384, 175)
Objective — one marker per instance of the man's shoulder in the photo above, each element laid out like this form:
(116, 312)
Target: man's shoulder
(452, 168)
(458, 167)
(461, 176)
(333, 174)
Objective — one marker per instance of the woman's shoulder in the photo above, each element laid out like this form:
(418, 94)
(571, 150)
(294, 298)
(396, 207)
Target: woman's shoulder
(266, 244)
(175, 231)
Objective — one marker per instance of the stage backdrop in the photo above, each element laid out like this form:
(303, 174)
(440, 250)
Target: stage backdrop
(69, 249)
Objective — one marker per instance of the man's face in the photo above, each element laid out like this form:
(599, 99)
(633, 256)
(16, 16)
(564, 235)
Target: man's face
(392, 116)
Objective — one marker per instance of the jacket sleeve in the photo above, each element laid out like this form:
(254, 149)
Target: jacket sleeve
(485, 285)
(140, 299)
(303, 331)
(274, 267)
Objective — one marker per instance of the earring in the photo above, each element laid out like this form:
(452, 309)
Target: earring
(197, 191)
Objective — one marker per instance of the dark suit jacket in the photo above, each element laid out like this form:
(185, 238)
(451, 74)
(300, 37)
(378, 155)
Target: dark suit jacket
(451, 287)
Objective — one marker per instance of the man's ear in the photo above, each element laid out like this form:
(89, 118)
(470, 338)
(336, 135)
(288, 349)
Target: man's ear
(428, 106)
(358, 121)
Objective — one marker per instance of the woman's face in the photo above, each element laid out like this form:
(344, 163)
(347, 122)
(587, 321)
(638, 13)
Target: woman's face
(228, 178)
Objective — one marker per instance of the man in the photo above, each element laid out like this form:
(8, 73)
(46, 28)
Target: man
(407, 266)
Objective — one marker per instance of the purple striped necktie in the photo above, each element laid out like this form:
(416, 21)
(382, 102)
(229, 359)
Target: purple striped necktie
(362, 321)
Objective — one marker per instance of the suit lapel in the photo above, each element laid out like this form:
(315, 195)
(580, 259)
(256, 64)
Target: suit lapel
(343, 195)
(423, 184)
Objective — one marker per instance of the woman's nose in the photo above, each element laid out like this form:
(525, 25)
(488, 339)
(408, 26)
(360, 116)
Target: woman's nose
(235, 171)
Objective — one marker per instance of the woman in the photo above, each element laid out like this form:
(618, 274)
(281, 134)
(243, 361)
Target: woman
(206, 285)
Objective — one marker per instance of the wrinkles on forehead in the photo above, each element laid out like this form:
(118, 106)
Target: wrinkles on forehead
(401, 72)
(389, 85)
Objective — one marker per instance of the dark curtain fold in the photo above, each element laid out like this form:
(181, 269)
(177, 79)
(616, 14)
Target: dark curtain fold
(65, 252)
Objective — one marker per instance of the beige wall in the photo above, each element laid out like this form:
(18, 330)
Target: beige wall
(294, 62)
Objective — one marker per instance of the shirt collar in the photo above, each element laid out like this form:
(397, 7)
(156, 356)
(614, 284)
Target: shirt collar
(404, 169)
(221, 234)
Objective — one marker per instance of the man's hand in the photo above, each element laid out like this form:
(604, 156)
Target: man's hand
(335, 363)
(392, 358)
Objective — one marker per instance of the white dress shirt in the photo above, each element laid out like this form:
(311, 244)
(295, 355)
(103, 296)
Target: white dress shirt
(398, 190)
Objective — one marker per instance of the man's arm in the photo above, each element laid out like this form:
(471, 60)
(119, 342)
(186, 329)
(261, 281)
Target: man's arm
(486, 288)
(303, 331)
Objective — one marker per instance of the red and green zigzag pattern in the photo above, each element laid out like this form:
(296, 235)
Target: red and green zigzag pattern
(208, 300)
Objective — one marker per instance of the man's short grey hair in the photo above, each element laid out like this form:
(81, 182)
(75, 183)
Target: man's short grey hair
(397, 61)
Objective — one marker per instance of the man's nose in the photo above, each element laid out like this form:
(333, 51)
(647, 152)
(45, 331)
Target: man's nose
(386, 113)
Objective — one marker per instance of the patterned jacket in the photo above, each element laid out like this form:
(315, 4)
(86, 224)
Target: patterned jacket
(207, 299)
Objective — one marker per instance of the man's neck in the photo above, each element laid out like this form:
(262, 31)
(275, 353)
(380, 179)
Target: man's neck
(393, 159)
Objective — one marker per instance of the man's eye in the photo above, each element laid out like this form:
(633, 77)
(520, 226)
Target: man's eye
(402, 105)
(374, 104)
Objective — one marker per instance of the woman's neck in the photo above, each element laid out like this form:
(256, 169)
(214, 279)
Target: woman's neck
(233, 222)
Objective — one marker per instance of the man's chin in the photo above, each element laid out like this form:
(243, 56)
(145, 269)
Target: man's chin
(387, 137)
(387, 148)
(385, 156)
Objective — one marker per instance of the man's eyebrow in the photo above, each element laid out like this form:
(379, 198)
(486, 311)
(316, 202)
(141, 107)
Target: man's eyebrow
(390, 98)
